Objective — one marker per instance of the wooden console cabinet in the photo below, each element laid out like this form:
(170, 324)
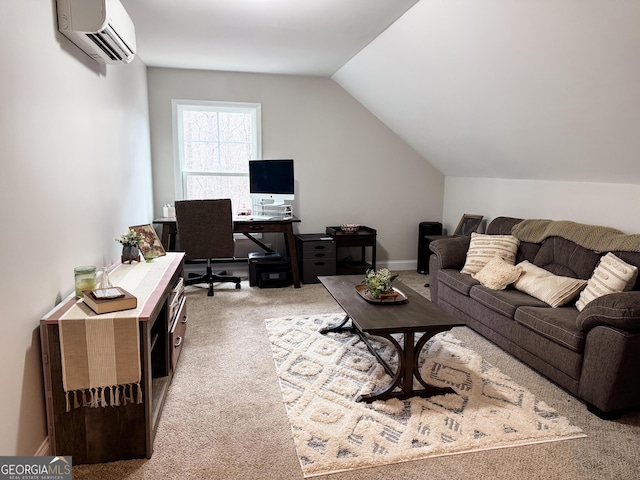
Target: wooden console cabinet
(104, 434)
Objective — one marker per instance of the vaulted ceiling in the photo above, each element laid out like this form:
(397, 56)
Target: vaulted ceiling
(533, 89)
(300, 37)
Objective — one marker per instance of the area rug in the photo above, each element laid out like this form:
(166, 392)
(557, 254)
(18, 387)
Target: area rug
(321, 375)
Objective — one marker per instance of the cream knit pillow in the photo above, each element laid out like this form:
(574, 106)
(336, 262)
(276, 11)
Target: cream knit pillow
(483, 248)
(544, 285)
(610, 276)
(497, 274)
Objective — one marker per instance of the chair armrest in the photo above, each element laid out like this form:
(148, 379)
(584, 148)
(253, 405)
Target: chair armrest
(618, 310)
(450, 252)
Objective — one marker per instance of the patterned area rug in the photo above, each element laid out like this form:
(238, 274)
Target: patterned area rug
(321, 375)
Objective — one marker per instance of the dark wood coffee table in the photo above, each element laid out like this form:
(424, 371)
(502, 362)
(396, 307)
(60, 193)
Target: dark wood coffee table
(416, 315)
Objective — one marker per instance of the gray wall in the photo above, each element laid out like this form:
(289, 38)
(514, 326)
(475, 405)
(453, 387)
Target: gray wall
(74, 143)
(350, 168)
(609, 204)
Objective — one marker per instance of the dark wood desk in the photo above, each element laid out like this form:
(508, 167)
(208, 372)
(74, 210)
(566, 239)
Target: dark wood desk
(246, 226)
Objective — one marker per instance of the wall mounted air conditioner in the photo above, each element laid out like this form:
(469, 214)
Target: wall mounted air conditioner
(102, 28)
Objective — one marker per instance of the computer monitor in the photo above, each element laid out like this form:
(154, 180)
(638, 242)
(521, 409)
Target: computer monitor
(271, 181)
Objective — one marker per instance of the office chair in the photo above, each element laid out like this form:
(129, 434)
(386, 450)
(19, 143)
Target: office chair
(205, 231)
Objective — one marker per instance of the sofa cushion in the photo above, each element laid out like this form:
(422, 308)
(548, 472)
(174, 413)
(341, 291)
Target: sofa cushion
(483, 248)
(497, 274)
(612, 275)
(556, 324)
(555, 290)
(618, 310)
(460, 282)
(505, 302)
(563, 257)
(527, 251)
(632, 258)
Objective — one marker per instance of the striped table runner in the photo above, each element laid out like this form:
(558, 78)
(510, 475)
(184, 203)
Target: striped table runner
(101, 353)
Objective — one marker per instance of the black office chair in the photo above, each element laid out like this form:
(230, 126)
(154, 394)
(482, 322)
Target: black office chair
(205, 232)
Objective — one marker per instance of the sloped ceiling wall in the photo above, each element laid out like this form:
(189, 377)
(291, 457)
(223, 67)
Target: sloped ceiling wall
(527, 89)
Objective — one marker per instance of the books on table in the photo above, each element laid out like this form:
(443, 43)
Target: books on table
(109, 300)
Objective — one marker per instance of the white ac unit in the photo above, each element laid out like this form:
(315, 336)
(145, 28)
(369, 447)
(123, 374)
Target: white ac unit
(101, 28)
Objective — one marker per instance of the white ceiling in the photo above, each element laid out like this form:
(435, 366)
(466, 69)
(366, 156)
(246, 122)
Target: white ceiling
(305, 37)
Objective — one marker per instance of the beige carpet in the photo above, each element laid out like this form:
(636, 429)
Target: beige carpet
(224, 418)
(321, 375)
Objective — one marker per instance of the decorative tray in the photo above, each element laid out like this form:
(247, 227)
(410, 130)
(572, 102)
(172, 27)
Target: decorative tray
(395, 298)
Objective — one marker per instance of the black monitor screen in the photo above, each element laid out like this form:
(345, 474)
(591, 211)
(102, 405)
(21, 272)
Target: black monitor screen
(271, 176)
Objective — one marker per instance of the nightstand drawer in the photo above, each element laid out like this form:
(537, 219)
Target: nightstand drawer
(319, 248)
(315, 245)
(312, 268)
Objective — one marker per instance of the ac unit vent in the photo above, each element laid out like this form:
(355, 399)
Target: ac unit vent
(101, 28)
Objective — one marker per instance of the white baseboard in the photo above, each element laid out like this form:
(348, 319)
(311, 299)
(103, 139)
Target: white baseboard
(44, 450)
(396, 265)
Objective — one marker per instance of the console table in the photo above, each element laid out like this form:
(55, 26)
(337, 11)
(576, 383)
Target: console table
(126, 431)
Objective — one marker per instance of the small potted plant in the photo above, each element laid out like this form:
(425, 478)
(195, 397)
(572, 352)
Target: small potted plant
(378, 283)
(130, 242)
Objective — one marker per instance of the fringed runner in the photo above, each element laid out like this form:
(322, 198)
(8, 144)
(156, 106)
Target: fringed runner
(101, 353)
(100, 362)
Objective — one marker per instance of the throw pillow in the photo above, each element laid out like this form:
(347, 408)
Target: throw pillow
(552, 289)
(497, 274)
(612, 275)
(483, 248)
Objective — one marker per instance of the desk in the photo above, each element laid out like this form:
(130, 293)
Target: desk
(246, 226)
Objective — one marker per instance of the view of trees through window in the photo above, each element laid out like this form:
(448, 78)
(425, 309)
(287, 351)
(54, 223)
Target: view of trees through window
(216, 143)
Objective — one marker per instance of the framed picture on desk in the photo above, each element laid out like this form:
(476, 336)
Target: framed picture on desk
(150, 245)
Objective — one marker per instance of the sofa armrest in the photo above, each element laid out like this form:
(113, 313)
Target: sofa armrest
(618, 310)
(450, 252)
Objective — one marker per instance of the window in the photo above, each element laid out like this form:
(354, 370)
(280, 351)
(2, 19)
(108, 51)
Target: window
(214, 142)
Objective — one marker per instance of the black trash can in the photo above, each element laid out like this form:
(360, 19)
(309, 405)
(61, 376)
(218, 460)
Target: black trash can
(426, 229)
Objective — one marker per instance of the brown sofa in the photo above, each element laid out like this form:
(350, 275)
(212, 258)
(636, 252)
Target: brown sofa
(594, 354)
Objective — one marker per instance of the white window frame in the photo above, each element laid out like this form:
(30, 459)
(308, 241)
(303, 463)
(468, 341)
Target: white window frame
(178, 106)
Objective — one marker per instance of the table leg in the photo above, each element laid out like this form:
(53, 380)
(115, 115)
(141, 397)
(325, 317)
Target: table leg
(408, 357)
(168, 232)
(387, 392)
(337, 327)
(291, 250)
(258, 242)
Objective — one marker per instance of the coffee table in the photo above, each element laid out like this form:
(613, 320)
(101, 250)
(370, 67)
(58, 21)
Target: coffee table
(416, 315)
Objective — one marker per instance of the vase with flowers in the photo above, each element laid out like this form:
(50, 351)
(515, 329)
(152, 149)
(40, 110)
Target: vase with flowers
(379, 283)
(130, 248)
